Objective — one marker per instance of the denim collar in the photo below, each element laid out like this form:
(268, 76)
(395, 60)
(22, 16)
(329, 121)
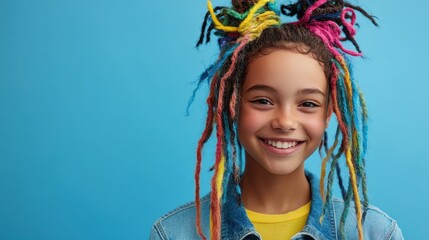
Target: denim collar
(236, 225)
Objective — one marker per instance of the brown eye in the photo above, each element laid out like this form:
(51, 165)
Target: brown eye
(309, 105)
(262, 101)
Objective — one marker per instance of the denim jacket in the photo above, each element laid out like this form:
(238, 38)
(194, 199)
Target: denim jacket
(180, 223)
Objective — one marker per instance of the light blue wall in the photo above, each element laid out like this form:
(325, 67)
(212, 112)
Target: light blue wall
(94, 143)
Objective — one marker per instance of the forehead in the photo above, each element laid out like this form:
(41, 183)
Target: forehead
(285, 70)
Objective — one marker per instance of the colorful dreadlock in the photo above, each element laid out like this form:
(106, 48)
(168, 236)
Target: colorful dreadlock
(237, 27)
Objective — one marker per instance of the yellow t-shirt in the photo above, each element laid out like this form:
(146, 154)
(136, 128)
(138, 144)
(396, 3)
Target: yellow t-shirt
(279, 226)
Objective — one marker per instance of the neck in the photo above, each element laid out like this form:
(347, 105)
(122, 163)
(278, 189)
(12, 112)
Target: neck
(268, 193)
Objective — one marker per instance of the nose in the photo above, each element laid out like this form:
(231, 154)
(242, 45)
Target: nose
(285, 120)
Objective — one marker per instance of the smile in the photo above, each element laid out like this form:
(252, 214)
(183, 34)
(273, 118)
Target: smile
(281, 145)
(284, 147)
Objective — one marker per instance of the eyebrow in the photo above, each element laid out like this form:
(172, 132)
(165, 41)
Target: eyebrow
(261, 88)
(309, 91)
(271, 89)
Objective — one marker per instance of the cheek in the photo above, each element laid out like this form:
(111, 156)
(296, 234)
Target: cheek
(244, 124)
(315, 126)
(250, 122)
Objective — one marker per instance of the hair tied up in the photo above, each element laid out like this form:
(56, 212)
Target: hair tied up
(334, 15)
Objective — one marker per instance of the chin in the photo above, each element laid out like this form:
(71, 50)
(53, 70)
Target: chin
(284, 169)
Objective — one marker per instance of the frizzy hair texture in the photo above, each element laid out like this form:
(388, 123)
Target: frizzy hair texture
(253, 28)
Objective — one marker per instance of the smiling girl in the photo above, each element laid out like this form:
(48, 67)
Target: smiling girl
(272, 93)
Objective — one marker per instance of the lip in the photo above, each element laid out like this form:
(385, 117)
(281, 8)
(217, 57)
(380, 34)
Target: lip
(278, 151)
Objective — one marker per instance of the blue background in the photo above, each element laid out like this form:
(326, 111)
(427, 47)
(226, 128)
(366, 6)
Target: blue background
(94, 142)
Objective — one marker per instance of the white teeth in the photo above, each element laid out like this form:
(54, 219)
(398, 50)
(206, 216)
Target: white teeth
(282, 145)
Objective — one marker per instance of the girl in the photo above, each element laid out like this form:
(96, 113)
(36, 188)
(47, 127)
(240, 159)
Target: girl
(272, 93)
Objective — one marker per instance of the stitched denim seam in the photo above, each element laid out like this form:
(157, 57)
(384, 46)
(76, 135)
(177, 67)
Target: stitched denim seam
(334, 217)
(391, 231)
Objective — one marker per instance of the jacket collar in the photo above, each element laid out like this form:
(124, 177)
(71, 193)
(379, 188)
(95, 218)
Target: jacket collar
(236, 225)
(314, 228)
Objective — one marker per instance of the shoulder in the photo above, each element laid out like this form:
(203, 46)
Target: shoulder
(180, 222)
(377, 224)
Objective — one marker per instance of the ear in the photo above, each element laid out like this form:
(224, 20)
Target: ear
(329, 110)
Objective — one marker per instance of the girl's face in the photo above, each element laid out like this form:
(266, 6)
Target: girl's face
(283, 111)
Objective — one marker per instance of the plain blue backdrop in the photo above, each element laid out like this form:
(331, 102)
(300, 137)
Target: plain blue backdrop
(94, 141)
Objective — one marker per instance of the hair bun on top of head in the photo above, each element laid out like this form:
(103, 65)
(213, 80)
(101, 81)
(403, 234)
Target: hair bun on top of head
(245, 20)
(338, 11)
(250, 18)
